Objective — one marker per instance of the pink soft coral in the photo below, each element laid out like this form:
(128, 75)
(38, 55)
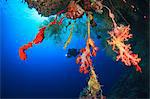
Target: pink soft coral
(85, 58)
(119, 35)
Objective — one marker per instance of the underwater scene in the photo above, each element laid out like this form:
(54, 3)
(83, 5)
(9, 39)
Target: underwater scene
(74, 49)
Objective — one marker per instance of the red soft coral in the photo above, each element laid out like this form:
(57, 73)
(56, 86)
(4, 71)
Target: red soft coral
(38, 39)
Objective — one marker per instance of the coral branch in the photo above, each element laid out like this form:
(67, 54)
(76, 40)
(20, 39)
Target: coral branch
(38, 39)
(22, 49)
(55, 22)
(111, 15)
(40, 36)
(69, 38)
(93, 84)
(119, 35)
(85, 58)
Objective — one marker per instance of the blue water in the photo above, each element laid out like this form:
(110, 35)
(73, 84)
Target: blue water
(47, 73)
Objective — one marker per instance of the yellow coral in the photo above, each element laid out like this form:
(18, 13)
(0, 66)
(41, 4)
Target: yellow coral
(69, 38)
(93, 83)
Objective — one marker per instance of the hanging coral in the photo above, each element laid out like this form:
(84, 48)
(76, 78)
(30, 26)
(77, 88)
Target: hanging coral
(93, 85)
(94, 88)
(85, 58)
(38, 39)
(69, 38)
(119, 35)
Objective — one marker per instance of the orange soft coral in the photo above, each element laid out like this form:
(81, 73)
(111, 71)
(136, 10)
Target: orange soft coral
(74, 10)
(119, 35)
(85, 58)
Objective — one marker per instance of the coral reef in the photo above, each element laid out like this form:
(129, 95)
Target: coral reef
(74, 10)
(118, 35)
(47, 7)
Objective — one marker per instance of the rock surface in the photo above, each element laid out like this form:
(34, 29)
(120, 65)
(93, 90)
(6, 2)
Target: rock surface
(48, 7)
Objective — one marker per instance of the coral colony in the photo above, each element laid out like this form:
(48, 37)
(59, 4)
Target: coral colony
(119, 35)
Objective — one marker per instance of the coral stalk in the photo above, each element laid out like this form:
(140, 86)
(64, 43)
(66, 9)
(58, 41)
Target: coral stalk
(69, 38)
(55, 22)
(85, 58)
(22, 50)
(111, 15)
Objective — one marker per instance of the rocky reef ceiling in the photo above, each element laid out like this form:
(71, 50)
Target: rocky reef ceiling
(121, 8)
(47, 7)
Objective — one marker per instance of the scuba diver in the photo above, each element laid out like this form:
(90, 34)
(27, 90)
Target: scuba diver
(72, 52)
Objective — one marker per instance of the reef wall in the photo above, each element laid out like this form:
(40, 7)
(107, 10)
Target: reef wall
(48, 7)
